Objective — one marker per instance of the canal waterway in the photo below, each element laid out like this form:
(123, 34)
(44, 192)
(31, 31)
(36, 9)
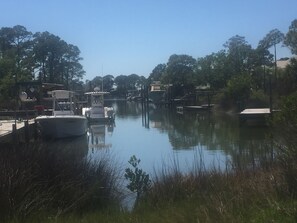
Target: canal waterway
(162, 138)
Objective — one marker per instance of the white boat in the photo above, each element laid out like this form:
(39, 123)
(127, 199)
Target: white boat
(97, 112)
(63, 122)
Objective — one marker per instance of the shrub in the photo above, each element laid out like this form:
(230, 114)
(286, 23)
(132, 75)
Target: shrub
(286, 120)
(54, 179)
(139, 180)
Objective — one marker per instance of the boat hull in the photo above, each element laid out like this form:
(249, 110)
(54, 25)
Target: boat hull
(95, 114)
(62, 126)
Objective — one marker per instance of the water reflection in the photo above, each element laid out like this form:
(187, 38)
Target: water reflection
(96, 135)
(245, 146)
(157, 135)
(74, 148)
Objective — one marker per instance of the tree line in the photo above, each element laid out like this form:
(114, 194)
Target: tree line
(238, 70)
(40, 56)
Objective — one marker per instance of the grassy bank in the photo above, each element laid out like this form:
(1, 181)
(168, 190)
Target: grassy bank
(241, 196)
(258, 195)
(50, 183)
(52, 180)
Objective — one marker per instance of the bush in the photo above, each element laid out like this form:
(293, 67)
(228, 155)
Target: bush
(54, 179)
(258, 99)
(286, 120)
(139, 180)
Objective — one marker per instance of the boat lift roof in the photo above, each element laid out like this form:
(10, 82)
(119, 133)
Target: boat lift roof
(61, 94)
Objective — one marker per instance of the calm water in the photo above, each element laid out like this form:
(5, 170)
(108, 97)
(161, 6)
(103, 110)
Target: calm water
(163, 138)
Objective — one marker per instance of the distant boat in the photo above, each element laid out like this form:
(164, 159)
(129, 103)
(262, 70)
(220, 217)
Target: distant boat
(97, 112)
(63, 122)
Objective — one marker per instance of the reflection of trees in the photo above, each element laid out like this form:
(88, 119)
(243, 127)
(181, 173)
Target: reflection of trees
(255, 147)
(185, 131)
(209, 130)
(127, 109)
(245, 146)
(74, 148)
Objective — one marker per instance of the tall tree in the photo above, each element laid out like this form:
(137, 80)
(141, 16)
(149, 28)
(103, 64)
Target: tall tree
(262, 60)
(142, 81)
(16, 47)
(15, 60)
(121, 82)
(291, 37)
(56, 60)
(180, 73)
(213, 70)
(70, 68)
(132, 79)
(47, 52)
(179, 69)
(108, 81)
(157, 73)
(238, 51)
(273, 38)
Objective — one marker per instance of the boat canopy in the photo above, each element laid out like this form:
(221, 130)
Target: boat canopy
(62, 94)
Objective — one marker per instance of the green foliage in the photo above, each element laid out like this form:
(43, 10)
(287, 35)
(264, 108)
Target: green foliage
(214, 70)
(56, 60)
(239, 88)
(139, 180)
(291, 37)
(286, 120)
(271, 39)
(157, 73)
(211, 196)
(179, 70)
(258, 99)
(132, 82)
(287, 81)
(239, 52)
(108, 81)
(180, 73)
(25, 56)
(54, 178)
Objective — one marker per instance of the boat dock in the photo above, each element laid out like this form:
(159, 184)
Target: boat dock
(15, 130)
(205, 107)
(254, 115)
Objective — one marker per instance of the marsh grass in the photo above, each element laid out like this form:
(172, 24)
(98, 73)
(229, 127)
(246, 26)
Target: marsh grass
(55, 180)
(231, 195)
(44, 185)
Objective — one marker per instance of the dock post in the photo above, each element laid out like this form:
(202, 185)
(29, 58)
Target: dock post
(14, 133)
(27, 135)
(35, 129)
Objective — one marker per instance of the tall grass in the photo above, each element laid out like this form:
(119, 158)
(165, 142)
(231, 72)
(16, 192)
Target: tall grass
(286, 119)
(37, 182)
(231, 195)
(55, 180)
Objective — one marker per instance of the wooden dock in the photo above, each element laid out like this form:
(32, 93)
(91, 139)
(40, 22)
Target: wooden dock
(254, 116)
(15, 131)
(205, 107)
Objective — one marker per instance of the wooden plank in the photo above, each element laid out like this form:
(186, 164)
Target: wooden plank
(255, 111)
(6, 127)
(255, 116)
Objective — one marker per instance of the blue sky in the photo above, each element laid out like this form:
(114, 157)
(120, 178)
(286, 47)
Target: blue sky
(133, 36)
